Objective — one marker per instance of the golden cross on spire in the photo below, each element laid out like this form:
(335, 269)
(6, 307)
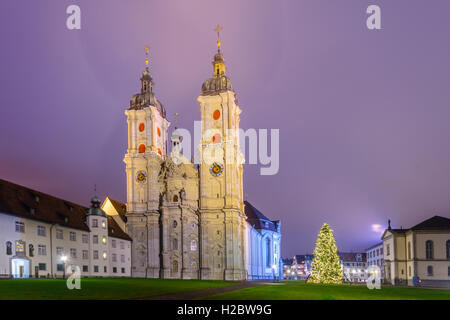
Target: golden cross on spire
(176, 119)
(146, 55)
(218, 29)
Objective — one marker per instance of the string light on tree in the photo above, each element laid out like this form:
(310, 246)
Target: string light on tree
(325, 267)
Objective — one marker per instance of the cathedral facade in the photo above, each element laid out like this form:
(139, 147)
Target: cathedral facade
(189, 221)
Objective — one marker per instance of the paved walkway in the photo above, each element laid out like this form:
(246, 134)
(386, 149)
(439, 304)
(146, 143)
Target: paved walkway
(197, 294)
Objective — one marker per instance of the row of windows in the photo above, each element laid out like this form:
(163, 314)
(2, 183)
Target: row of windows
(94, 224)
(41, 231)
(376, 253)
(430, 271)
(60, 267)
(42, 251)
(429, 249)
(175, 244)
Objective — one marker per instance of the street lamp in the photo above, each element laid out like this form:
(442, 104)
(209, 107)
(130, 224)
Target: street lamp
(64, 259)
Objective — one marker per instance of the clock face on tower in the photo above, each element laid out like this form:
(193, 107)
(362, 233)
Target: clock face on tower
(141, 176)
(216, 169)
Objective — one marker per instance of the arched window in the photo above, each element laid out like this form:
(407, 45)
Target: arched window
(8, 248)
(175, 266)
(175, 198)
(409, 250)
(268, 252)
(429, 249)
(175, 244)
(430, 270)
(448, 249)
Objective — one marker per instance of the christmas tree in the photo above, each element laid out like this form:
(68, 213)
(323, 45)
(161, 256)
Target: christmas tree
(325, 267)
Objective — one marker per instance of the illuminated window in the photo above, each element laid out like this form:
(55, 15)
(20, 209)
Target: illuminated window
(104, 240)
(105, 255)
(104, 224)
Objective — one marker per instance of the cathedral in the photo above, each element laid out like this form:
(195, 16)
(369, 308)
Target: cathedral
(190, 221)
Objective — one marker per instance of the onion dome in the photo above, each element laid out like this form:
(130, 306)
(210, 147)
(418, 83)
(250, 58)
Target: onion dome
(95, 209)
(146, 98)
(219, 81)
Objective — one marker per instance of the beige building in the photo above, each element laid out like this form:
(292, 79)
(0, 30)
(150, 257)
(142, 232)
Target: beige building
(189, 221)
(421, 252)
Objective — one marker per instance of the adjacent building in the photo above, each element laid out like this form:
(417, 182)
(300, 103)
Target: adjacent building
(353, 266)
(41, 235)
(374, 256)
(419, 255)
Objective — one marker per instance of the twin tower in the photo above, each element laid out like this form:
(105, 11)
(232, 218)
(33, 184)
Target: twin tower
(186, 221)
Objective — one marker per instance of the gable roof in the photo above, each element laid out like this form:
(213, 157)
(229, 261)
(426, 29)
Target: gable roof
(31, 204)
(257, 219)
(120, 207)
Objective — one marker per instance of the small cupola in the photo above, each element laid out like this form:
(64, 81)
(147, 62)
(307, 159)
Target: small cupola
(95, 209)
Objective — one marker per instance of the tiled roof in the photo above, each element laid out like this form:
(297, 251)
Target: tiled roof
(352, 256)
(115, 231)
(434, 223)
(27, 203)
(257, 219)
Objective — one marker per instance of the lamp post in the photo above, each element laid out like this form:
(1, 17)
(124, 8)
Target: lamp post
(273, 271)
(64, 259)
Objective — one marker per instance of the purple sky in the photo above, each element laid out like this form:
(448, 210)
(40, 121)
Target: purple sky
(363, 115)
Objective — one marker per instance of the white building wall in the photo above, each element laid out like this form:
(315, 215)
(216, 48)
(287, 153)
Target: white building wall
(53, 254)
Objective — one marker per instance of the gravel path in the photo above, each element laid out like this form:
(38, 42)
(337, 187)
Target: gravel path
(197, 294)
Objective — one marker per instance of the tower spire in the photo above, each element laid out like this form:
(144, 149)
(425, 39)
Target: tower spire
(218, 29)
(146, 56)
(219, 61)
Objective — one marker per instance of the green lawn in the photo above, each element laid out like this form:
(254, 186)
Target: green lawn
(100, 288)
(301, 291)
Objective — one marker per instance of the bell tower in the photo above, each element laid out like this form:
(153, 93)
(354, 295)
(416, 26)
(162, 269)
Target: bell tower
(222, 219)
(147, 150)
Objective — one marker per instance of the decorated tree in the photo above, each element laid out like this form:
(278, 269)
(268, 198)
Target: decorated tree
(325, 267)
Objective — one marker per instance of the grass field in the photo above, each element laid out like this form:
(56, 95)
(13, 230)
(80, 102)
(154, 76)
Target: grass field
(127, 288)
(301, 291)
(100, 288)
